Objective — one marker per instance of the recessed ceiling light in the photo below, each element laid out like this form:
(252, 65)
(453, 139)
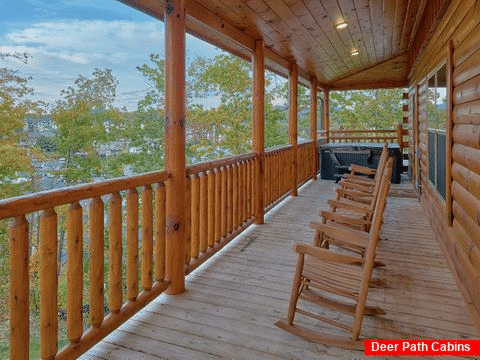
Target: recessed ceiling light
(354, 52)
(342, 24)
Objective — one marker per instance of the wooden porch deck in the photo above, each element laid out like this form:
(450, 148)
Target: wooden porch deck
(235, 298)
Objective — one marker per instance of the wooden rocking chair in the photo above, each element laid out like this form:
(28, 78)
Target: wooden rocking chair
(359, 219)
(333, 281)
(361, 187)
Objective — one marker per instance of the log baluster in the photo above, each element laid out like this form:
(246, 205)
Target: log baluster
(188, 220)
(203, 212)
(160, 232)
(224, 205)
(48, 284)
(245, 191)
(132, 244)
(211, 209)
(19, 288)
(74, 272)
(97, 249)
(235, 196)
(249, 189)
(195, 216)
(230, 199)
(218, 204)
(147, 237)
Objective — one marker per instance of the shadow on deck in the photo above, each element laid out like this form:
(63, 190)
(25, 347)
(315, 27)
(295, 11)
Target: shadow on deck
(234, 299)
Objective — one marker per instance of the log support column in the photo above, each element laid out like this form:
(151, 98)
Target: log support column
(258, 127)
(292, 124)
(175, 143)
(313, 125)
(326, 113)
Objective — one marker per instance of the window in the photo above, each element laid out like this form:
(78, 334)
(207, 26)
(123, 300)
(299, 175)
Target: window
(437, 123)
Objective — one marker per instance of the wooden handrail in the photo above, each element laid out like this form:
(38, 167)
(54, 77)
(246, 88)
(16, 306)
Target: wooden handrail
(26, 204)
(215, 164)
(355, 131)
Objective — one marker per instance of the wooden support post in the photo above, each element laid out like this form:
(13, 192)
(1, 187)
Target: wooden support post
(326, 113)
(449, 145)
(258, 128)
(292, 124)
(175, 143)
(313, 125)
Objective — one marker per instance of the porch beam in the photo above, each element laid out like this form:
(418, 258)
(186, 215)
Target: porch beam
(326, 113)
(313, 124)
(258, 127)
(175, 143)
(292, 123)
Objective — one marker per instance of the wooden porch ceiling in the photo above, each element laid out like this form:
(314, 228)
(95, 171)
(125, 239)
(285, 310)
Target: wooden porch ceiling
(304, 31)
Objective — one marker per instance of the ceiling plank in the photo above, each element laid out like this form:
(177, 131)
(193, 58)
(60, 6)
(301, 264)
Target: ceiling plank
(349, 11)
(418, 18)
(376, 15)
(389, 7)
(400, 13)
(366, 28)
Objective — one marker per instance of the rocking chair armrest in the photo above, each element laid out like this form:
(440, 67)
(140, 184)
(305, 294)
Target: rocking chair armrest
(346, 234)
(348, 206)
(362, 169)
(328, 255)
(354, 194)
(358, 178)
(327, 215)
(345, 183)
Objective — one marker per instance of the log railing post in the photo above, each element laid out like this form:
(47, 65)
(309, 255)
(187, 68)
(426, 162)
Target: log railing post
(326, 113)
(292, 124)
(313, 125)
(258, 128)
(175, 143)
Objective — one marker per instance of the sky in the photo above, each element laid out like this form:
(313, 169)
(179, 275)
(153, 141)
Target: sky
(66, 38)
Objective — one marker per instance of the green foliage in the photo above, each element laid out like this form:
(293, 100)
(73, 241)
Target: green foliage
(87, 119)
(366, 109)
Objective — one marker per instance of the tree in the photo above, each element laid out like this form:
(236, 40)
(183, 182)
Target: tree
(366, 109)
(86, 120)
(15, 164)
(144, 127)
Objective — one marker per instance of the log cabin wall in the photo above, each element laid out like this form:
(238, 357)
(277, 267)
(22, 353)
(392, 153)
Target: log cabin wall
(457, 231)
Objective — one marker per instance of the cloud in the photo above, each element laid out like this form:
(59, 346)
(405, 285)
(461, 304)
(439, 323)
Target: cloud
(62, 49)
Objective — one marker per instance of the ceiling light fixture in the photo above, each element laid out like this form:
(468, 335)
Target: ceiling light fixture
(342, 24)
(354, 52)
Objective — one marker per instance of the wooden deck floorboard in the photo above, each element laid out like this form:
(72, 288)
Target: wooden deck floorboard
(233, 301)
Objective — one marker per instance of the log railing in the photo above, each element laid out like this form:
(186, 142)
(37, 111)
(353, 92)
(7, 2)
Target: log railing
(376, 135)
(117, 228)
(219, 205)
(278, 172)
(305, 157)
(132, 212)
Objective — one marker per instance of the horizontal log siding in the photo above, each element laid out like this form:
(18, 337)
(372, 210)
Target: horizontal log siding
(461, 241)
